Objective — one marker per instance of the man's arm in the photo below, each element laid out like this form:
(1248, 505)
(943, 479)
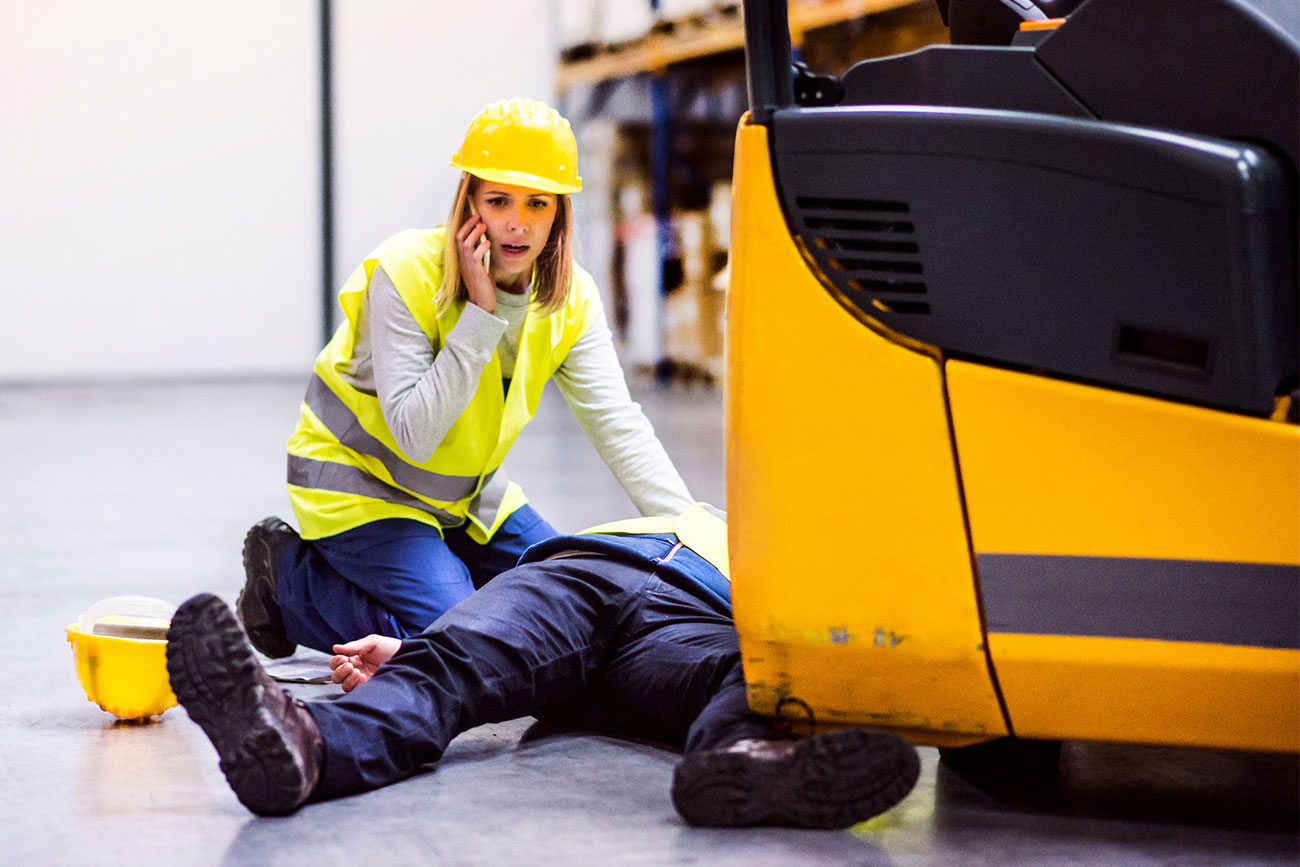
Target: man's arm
(356, 662)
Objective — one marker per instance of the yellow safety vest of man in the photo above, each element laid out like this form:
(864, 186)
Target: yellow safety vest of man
(689, 550)
(345, 468)
(702, 528)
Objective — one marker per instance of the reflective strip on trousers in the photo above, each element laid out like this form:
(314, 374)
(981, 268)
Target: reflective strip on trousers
(345, 426)
(329, 476)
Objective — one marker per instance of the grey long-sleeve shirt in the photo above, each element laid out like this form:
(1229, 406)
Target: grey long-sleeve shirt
(422, 393)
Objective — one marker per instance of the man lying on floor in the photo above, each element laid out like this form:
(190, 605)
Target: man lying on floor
(625, 629)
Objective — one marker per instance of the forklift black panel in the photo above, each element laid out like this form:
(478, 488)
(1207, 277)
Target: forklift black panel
(1134, 258)
(970, 76)
(1230, 69)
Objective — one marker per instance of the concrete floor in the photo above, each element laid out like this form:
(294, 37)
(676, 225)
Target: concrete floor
(148, 489)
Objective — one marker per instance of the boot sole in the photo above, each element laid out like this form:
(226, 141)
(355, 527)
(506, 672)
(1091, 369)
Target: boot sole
(257, 550)
(214, 676)
(830, 780)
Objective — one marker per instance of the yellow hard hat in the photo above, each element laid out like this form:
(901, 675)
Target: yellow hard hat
(522, 142)
(119, 646)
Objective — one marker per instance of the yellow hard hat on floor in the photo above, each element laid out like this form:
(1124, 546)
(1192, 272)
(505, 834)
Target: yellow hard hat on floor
(523, 142)
(119, 646)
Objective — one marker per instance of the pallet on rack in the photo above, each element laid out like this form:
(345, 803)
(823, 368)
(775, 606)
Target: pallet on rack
(701, 34)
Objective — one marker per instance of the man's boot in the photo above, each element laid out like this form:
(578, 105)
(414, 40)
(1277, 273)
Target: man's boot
(829, 780)
(269, 745)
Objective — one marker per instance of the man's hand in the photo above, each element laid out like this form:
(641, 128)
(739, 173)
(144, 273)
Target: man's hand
(355, 662)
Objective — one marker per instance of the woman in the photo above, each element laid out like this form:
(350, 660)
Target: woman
(451, 333)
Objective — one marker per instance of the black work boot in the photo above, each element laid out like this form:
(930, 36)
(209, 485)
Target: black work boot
(829, 780)
(258, 605)
(270, 747)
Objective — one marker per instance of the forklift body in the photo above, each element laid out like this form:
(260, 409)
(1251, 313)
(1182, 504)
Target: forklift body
(1012, 342)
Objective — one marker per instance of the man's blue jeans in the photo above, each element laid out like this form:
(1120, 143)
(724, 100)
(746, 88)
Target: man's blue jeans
(600, 642)
(391, 577)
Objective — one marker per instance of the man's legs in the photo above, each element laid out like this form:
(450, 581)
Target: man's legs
(674, 673)
(629, 652)
(529, 640)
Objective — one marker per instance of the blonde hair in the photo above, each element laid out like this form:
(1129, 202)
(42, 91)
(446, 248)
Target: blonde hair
(552, 272)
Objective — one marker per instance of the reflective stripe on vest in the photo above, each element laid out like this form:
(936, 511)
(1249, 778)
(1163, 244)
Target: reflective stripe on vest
(345, 426)
(329, 476)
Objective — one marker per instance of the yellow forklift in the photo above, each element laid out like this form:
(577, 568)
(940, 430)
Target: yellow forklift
(1012, 335)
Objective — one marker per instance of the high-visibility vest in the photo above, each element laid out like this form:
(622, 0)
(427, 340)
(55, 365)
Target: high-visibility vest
(346, 469)
(689, 551)
(702, 528)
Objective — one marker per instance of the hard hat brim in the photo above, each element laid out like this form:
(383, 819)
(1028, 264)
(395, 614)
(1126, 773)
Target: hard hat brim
(521, 179)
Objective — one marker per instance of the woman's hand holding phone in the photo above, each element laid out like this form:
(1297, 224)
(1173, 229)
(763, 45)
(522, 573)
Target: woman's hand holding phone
(475, 249)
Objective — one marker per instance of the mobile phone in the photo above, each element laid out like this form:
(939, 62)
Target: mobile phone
(487, 257)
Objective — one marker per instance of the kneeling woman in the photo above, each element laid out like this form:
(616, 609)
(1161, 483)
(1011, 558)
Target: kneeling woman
(395, 467)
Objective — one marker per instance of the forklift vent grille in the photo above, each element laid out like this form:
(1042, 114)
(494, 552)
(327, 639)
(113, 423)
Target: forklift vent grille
(868, 248)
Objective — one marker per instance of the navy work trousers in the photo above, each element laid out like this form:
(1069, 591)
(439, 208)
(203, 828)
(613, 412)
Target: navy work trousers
(391, 577)
(594, 641)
